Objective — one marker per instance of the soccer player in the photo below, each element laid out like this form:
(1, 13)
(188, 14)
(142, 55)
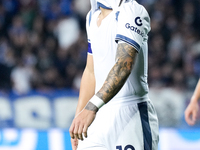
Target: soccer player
(193, 107)
(114, 111)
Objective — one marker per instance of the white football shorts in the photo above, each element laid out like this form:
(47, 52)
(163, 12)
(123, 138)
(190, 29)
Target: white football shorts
(123, 127)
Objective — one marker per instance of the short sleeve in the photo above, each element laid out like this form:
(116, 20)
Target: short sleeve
(88, 20)
(133, 25)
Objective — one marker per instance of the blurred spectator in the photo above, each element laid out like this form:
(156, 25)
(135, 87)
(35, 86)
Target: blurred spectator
(171, 43)
(67, 32)
(50, 39)
(21, 77)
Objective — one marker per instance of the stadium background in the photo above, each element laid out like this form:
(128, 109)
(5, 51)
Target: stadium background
(43, 49)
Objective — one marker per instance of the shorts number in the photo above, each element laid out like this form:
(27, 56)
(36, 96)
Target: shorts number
(127, 147)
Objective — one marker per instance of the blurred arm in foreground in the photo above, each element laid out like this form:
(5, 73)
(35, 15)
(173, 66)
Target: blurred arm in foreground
(193, 107)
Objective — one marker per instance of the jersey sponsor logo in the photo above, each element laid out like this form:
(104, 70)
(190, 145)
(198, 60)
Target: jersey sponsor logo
(135, 29)
(138, 21)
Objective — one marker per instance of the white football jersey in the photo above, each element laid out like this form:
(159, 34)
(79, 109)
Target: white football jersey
(130, 24)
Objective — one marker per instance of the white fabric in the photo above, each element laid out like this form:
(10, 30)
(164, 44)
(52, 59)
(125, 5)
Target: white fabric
(134, 26)
(93, 5)
(104, 48)
(133, 29)
(118, 125)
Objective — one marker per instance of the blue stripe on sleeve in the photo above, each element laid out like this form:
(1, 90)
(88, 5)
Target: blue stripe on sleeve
(89, 48)
(128, 40)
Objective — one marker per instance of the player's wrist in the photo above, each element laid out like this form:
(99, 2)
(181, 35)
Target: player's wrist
(98, 102)
(94, 104)
(194, 99)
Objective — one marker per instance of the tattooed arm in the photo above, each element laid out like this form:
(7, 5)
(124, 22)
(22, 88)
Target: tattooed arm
(125, 59)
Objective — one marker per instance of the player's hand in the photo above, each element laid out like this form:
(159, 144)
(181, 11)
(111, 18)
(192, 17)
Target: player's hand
(74, 143)
(81, 123)
(191, 112)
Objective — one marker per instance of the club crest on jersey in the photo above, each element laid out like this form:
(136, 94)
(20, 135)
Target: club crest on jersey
(135, 29)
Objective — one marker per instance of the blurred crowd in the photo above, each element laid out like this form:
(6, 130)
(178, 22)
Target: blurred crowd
(43, 43)
(174, 43)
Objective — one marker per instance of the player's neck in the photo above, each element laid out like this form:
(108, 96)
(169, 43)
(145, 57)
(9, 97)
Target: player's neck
(102, 15)
(105, 12)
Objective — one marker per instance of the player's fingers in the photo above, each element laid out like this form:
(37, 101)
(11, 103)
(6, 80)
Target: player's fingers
(80, 131)
(76, 131)
(71, 131)
(188, 117)
(85, 131)
(194, 116)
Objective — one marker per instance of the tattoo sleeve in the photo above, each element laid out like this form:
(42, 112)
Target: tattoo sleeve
(125, 58)
(91, 107)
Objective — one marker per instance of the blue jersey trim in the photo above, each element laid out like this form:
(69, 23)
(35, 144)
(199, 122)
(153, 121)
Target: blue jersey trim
(147, 136)
(102, 5)
(90, 17)
(128, 40)
(89, 48)
(117, 15)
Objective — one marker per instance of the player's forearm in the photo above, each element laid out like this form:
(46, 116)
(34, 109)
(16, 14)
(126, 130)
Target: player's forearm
(196, 95)
(87, 89)
(114, 82)
(119, 73)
